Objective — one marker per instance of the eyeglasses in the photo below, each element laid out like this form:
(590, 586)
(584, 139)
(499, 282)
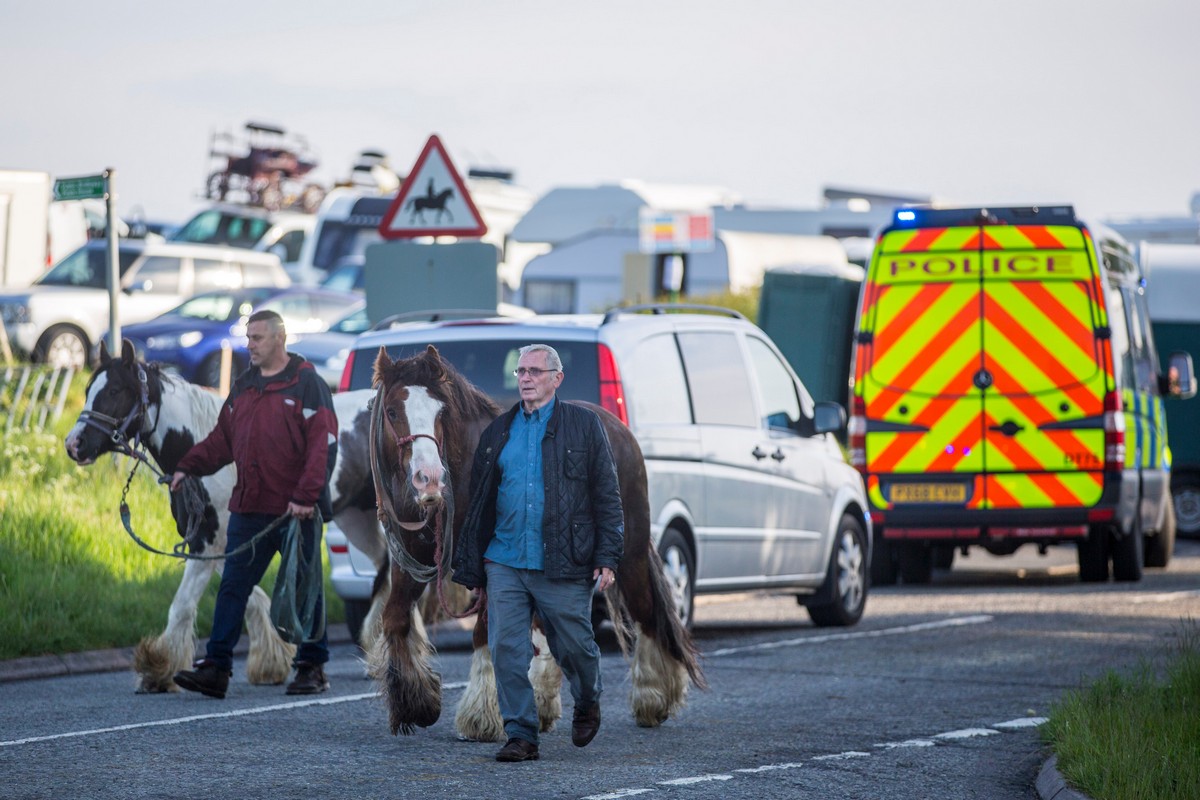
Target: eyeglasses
(532, 372)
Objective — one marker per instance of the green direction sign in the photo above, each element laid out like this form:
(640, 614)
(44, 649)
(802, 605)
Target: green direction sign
(86, 188)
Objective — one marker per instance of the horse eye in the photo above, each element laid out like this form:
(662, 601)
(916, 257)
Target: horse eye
(391, 414)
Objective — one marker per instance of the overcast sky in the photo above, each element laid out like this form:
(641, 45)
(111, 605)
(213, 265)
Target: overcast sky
(1031, 101)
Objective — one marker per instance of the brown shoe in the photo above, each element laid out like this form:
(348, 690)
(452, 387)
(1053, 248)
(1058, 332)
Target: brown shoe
(518, 750)
(206, 678)
(310, 679)
(585, 724)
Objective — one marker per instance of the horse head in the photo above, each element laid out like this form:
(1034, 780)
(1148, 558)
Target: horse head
(118, 399)
(408, 430)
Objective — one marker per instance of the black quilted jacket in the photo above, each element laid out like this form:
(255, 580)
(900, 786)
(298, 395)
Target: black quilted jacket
(583, 527)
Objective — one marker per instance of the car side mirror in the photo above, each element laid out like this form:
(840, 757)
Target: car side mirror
(828, 417)
(1181, 376)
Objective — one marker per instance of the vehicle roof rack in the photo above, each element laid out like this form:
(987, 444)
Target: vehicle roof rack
(435, 315)
(668, 308)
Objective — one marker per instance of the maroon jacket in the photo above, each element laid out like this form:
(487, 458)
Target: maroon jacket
(281, 432)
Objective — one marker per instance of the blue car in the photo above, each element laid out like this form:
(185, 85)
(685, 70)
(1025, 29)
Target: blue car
(189, 338)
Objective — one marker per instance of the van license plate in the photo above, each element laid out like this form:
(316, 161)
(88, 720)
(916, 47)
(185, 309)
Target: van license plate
(929, 493)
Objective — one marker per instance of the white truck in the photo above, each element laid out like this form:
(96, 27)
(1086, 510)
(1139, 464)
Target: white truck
(35, 232)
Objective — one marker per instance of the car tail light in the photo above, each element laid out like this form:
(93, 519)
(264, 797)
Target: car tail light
(612, 392)
(1114, 433)
(857, 429)
(344, 383)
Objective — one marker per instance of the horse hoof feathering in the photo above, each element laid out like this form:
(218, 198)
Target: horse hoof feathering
(427, 420)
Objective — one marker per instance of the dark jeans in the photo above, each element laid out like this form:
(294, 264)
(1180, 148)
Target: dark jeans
(243, 572)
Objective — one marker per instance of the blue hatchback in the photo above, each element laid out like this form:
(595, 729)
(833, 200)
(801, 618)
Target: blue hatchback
(190, 337)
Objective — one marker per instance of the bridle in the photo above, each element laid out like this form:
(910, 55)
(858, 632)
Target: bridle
(118, 430)
(443, 537)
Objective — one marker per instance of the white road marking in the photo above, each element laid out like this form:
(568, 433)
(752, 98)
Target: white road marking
(773, 767)
(696, 779)
(1162, 597)
(617, 794)
(841, 637)
(242, 712)
(843, 756)
(907, 743)
(1023, 722)
(967, 733)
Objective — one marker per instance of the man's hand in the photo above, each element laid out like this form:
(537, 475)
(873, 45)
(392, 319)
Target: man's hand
(299, 511)
(177, 479)
(604, 578)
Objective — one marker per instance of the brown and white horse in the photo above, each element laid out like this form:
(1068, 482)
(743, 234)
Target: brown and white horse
(425, 427)
(130, 403)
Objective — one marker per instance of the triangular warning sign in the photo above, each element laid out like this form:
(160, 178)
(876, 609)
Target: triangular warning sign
(433, 200)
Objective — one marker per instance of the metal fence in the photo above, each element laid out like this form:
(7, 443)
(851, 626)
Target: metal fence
(32, 396)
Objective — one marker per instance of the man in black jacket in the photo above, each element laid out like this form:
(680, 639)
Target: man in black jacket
(544, 522)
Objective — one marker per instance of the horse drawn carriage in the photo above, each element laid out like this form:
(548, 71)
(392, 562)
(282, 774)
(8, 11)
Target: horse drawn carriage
(265, 168)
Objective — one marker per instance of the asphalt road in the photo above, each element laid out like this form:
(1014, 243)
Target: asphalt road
(938, 692)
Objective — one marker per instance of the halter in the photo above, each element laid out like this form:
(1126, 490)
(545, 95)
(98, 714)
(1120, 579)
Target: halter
(117, 430)
(386, 512)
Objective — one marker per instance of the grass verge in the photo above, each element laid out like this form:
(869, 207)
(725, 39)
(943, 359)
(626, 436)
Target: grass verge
(71, 579)
(1135, 737)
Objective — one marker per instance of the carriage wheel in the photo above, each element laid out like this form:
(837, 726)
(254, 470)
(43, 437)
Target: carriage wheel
(218, 186)
(679, 566)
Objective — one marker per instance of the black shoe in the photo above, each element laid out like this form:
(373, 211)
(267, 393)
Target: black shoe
(310, 679)
(518, 750)
(585, 724)
(205, 677)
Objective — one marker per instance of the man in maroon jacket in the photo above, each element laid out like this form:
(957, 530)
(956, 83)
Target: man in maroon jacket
(278, 426)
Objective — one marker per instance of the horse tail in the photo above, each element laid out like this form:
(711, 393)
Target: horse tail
(669, 631)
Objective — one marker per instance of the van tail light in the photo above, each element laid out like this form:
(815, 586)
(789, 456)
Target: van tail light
(857, 429)
(612, 392)
(344, 383)
(1114, 433)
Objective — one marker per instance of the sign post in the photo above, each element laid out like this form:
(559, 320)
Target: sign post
(96, 187)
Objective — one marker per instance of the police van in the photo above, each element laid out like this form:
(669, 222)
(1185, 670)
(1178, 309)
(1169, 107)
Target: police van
(1006, 391)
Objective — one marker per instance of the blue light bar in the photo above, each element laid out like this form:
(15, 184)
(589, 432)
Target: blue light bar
(906, 216)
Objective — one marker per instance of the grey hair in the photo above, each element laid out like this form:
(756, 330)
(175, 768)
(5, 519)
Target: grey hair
(552, 359)
(272, 318)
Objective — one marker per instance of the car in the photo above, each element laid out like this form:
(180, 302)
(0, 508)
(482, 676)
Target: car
(328, 349)
(347, 275)
(59, 318)
(749, 488)
(279, 232)
(190, 338)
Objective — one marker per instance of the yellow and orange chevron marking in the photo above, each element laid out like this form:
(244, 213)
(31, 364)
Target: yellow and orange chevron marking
(1018, 304)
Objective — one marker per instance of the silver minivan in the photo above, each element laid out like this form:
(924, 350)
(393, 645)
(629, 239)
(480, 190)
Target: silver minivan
(749, 489)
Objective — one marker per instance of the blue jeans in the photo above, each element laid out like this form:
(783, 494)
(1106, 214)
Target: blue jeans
(565, 608)
(243, 572)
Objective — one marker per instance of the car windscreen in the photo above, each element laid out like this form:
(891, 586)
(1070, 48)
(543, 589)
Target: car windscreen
(489, 364)
(217, 227)
(222, 306)
(336, 240)
(87, 266)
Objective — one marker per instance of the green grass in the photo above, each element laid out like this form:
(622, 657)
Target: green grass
(1137, 736)
(71, 578)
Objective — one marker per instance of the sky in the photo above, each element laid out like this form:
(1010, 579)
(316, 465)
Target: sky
(1024, 101)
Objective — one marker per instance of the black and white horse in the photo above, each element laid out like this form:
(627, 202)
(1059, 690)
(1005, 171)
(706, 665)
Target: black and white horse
(131, 405)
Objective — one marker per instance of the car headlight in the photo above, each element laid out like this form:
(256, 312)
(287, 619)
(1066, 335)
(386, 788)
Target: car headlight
(174, 341)
(14, 313)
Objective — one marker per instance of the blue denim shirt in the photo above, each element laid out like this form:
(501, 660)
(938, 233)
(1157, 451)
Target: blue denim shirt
(521, 499)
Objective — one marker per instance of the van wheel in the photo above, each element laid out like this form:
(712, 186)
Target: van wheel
(846, 579)
(1158, 548)
(1128, 553)
(915, 560)
(1093, 555)
(1186, 493)
(943, 556)
(679, 566)
(883, 561)
(62, 346)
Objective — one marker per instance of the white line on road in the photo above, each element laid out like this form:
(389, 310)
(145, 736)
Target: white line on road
(841, 637)
(241, 712)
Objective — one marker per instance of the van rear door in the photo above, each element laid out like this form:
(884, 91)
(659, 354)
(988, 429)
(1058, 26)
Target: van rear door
(980, 367)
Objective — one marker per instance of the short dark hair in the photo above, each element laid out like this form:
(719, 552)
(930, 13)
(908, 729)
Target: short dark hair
(269, 317)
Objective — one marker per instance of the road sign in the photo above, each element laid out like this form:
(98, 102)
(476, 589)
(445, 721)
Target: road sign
(87, 187)
(433, 200)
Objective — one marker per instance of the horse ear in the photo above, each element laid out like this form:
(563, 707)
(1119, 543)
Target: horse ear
(128, 353)
(432, 352)
(382, 364)
(105, 358)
